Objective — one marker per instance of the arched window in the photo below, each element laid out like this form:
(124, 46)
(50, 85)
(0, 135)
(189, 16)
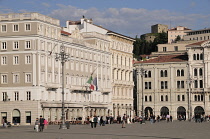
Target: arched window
(197, 56)
(166, 73)
(161, 98)
(145, 98)
(178, 98)
(150, 98)
(161, 73)
(196, 84)
(195, 72)
(195, 97)
(200, 72)
(178, 72)
(201, 56)
(199, 98)
(201, 83)
(166, 97)
(183, 98)
(194, 56)
(182, 72)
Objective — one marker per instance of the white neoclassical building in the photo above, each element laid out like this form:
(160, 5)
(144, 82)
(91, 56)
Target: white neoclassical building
(121, 48)
(30, 77)
(175, 84)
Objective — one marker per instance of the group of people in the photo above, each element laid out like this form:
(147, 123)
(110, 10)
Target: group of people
(40, 124)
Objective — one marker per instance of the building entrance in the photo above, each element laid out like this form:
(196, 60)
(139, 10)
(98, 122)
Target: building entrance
(164, 111)
(199, 110)
(181, 113)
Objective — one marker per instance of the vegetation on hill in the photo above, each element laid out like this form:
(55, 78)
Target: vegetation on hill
(141, 46)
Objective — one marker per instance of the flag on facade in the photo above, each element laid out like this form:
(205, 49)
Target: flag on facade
(90, 80)
(95, 83)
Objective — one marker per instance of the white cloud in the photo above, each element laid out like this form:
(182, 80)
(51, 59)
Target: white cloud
(46, 4)
(129, 21)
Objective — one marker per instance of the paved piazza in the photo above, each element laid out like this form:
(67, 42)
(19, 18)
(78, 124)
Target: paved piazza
(162, 130)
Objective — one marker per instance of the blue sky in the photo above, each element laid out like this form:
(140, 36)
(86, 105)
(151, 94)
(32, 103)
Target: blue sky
(129, 17)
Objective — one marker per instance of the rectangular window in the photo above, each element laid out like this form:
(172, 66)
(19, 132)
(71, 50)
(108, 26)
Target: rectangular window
(15, 28)
(28, 59)
(16, 60)
(175, 48)
(28, 97)
(28, 27)
(182, 84)
(4, 96)
(3, 28)
(15, 45)
(146, 86)
(178, 84)
(4, 79)
(3, 60)
(28, 78)
(166, 85)
(164, 49)
(150, 85)
(28, 45)
(4, 45)
(16, 78)
(162, 85)
(16, 96)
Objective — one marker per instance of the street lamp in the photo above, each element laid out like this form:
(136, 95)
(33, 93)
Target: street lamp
(63, 57)
(142, 72)
(189, 82)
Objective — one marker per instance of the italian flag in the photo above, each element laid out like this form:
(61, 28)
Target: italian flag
(90, 80)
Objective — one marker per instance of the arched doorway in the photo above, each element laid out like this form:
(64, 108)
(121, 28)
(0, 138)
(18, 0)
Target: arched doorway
(181, 113)
(164, 111)
(147, 112)
(199, 110)
(16, 116)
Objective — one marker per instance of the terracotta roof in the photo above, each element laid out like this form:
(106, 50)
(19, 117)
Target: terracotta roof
(167, 58)
(64, 32)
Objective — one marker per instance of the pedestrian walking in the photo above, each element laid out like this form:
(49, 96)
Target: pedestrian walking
(171, 118)
(95, 120)
(167, 117)
(41, 123)
(101, 121)
(123, 121)
(91, 121)
(45, 124)
(36, 126)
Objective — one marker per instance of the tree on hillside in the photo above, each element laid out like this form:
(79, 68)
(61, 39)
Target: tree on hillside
(141, 46)
(178, 38)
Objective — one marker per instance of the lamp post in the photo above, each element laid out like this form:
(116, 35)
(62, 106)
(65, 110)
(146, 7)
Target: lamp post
(142, 72)
(63, 57)
(189, 82)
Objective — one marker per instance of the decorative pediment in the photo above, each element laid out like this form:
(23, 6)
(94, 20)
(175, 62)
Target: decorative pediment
(76, 33)
(206, 44)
